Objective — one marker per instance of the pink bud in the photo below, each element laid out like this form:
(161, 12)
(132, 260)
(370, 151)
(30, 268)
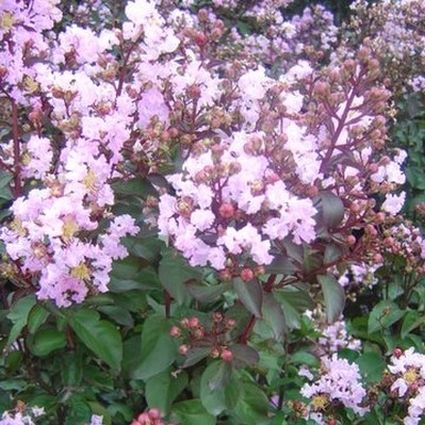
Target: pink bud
(227, 356)
(226, 210)
(247, 274)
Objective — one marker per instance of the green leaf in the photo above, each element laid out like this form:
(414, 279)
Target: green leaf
(383, 315)
(411, 321)
(134, 187)
(18, 315)
(37, 317)
(304, 357)
(334, 297)
(244, 355)
(162, 389)
(195, 355)
(72, 370)
(274, 317)
(118, 314)
(47, 340)
(192, 412)
(252, 406)
(78, 410)
(5, 179)
(100, 336)
(372, 366)
(132, 354)
(213, 381)
(158, 348)
(250, 294)
(281, 265)
(294, 301)
(129, 274)
(207, 294)
(174, 272)
(331, 209)
(332, 253)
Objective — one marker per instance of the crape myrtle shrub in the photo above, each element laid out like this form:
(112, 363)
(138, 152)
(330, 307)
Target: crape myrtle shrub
(207, 213)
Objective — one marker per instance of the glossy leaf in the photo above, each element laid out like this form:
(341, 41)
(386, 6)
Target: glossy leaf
(100, 336)
(18, 315)
(162, 389)
(250, 294)
(158, 348)
(334, 297)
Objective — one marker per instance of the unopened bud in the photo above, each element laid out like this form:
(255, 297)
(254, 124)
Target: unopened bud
(247, 274)
(183, 349)
(227, 356)
(226, 210)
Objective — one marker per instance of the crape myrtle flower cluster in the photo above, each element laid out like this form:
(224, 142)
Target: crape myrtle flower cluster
(241, 193)
(22, 415)
(338, 384)
(395, 30)
(150, 417)
(257, 150)
(405, 381)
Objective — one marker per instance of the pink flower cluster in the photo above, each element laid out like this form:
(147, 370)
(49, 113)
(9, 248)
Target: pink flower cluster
(339, 383)
(50, 236)
(24, 416)
(149, 417)
(335, 337)
(230, 205)
(408, 369)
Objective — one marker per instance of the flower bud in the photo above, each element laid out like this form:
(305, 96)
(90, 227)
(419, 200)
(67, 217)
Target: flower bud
(226, 210)
(154, 414)
(227, 355)
(193, 322)
(183, 349)
(247, 274)
(351, 240)
(175, 331)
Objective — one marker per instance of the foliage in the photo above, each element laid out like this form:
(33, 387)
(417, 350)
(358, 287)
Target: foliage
(201, 212)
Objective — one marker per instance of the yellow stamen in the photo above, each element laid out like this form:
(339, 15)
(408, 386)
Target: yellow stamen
(411, 376)
(6, 21)
(90, 180)
(17, 226)
(320, 402)
(30, 85)
(81, 272)
(69, 228)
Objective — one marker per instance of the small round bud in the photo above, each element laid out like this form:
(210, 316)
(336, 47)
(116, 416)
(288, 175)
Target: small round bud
(193, 322)
(397, 352)
(351, 240)
(185, 322)
(143, 418)
(380, 217)
(175, 331)
(227, 355)
(230, 323)
(226, 210)
(215, 352)
(225, 275)
(217, 317)
(378, 258)
(154, 414)
(247, 274)
(183, 349)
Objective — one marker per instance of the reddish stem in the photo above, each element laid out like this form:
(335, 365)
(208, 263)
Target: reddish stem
(243, 339)
(270, 282)
(168, 300)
